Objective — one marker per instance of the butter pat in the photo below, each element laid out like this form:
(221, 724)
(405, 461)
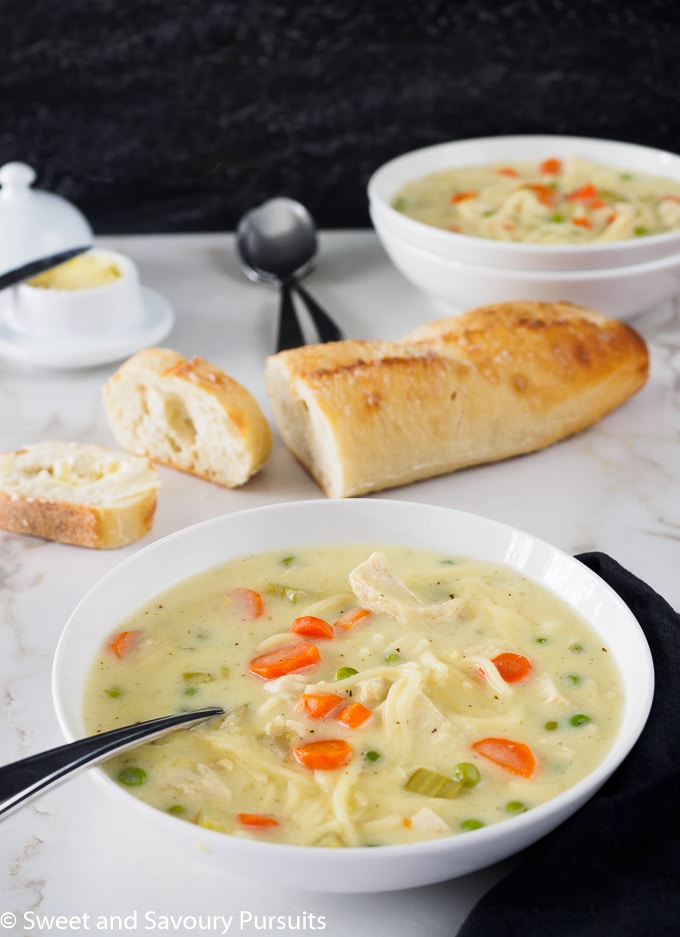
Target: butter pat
(84, 272)
(89, 297)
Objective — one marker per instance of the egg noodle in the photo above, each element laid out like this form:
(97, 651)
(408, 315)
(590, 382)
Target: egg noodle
(554, 201)
(374, 695)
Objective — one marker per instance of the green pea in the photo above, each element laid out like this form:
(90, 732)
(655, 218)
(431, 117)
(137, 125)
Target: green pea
(345, 672)
(372, 756)
(515, 806)
(640, 232)
(572, 678)
(114, 692)
(190, 691)
(132, 776)
(557, 217)
(177, 810)
(541, 640)
(550, 725)
(466, 774)
(287, 560)
(579, 719)
(471, 824)
(392, 658)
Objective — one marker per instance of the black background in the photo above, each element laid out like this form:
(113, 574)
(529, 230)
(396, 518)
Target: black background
(178, 116)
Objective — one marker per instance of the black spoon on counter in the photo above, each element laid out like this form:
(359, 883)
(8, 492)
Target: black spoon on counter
(23, 780)
(277, 244)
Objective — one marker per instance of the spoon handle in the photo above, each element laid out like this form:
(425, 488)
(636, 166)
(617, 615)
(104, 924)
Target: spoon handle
(290, 332)
(327, 329)
(23, 780)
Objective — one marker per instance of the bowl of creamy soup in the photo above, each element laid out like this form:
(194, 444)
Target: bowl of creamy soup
(533, 202)
(410, 693)
(93, 295)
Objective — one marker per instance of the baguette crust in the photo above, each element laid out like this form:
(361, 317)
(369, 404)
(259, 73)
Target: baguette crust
(188, 415)
(492, 383)
(79, 494)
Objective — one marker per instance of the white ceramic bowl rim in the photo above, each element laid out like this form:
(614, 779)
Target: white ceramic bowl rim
(660, 265)
(402, 522)
(439, 156)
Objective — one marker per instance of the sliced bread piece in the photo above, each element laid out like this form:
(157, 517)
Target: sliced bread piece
(189, 415)
(77, 493)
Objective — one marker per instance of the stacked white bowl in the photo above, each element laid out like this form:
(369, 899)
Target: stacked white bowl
(618, 278)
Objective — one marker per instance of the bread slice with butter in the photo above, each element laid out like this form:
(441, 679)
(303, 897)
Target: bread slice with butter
(491, 383)
(77, 493)
(189, 415)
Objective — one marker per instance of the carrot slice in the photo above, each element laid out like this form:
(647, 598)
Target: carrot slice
(586, 193)
(507, 171)
(124, 643)
(257, 821)
(312, 627)
(551, 166)
(289, 659)
(354, 715)
(544, 194)
(463, 196)
(324, 755)
(320, 705)
(581, 222)
(249, 602)
(352, 618)
(512, 667)
(515, 757)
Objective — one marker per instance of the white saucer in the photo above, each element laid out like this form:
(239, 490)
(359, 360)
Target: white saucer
(156, 321)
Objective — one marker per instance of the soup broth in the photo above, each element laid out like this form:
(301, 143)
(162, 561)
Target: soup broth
(374, 695)
(556, 201)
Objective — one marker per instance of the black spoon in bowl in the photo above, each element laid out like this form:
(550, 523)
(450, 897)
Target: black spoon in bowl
(23, 780)
(277, 243)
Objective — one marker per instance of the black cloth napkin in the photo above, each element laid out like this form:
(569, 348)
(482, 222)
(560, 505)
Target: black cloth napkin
(612, 870)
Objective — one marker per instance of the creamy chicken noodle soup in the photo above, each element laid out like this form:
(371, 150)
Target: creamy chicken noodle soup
(374, 696)
(554, 201)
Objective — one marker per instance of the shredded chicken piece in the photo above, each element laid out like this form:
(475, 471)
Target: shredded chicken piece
(427, 821)
(381, 591)
(549, 692)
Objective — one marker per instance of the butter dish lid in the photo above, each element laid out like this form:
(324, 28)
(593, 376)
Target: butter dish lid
(38, 229)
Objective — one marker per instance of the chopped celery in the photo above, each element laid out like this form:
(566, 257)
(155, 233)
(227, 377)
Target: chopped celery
(198, 676)
(282, 591)
(430, 784)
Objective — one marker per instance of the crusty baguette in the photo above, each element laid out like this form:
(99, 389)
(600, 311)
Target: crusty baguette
(494, 382)
(77, 493)
(189, 415)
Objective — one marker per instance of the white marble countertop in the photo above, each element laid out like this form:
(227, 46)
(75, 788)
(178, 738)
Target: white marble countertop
(613, 488)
